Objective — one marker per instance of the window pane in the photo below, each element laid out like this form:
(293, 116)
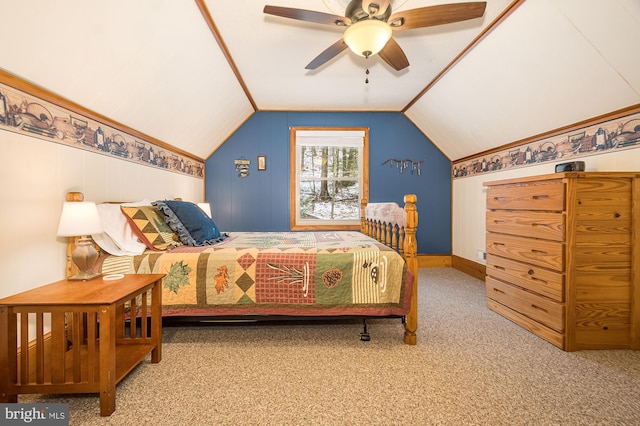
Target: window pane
(324, 161)
(330, 200)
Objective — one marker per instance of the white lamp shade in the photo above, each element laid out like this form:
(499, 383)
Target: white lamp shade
(370, 36)
(79, 218)
(206, 207)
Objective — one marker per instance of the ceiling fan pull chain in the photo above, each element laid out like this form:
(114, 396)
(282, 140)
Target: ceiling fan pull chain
(366, 57)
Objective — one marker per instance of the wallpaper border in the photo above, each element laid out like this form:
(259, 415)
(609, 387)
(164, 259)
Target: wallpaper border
(606, 136)
(27, 114)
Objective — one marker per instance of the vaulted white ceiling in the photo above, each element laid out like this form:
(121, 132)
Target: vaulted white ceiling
(158, 67)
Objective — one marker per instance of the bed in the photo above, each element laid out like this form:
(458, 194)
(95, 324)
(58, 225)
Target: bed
(371, 273)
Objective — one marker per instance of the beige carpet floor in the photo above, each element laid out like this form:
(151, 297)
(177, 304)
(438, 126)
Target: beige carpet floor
(470, 367)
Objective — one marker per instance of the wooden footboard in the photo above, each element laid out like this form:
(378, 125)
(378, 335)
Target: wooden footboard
(396, 227)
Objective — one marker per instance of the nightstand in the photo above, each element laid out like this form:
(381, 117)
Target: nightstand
(88, 336)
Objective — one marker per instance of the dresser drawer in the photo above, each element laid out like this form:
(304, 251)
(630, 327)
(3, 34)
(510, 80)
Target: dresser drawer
(534, 278)
(547, 254)
(544, 195)
(538, 308)
(548, 226)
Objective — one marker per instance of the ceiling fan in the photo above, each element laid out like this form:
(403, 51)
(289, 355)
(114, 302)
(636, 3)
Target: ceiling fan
(369, 25)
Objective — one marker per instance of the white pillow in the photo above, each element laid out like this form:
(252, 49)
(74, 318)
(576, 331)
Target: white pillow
(118, 238)
(107, 244)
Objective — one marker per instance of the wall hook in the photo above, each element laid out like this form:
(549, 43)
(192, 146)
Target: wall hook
(404, 164)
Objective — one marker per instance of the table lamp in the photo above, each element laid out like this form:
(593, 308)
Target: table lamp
(81, 219)
(205, 207)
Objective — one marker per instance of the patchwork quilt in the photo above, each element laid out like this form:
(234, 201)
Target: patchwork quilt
(278, 273)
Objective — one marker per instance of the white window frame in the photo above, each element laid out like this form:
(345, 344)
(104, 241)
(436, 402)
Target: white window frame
(324, 136)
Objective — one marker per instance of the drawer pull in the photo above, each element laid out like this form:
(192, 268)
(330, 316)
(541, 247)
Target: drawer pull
(539, 308)
(501, 268)
(497, 290)
(534, 224)
(538, 251)
(531, 272)
(499, 221)
(540, 197)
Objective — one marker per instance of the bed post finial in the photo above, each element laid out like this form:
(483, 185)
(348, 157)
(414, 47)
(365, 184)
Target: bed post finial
(75, 196)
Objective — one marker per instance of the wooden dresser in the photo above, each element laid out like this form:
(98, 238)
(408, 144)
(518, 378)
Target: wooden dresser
(563, 257)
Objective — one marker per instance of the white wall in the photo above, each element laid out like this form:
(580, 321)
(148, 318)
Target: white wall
(35, 176)
(469, 196)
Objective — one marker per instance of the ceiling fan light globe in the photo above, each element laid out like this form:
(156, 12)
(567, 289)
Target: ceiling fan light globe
(367, 37)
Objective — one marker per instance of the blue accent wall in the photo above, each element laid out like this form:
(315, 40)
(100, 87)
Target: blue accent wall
(260, 202)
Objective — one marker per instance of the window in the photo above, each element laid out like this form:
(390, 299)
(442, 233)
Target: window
(329, 177)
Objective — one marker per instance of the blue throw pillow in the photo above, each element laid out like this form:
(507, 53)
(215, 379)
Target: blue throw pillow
(190, 223)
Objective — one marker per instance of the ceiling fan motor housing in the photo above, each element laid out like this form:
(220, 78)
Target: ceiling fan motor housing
(355, 12)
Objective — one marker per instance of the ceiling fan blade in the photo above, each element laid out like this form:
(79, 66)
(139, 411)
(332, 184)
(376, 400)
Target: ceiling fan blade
(307, 15)
(328, 54)
(436, 15)
(393, 54)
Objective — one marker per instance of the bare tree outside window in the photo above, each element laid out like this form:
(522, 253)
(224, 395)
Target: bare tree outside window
(329, 184)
